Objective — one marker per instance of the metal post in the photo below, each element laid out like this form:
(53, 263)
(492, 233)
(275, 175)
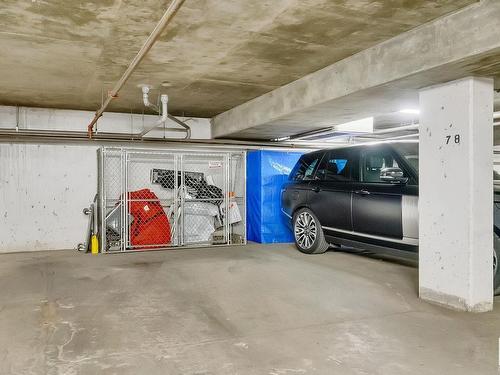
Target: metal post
(226, 198)
(176, 200)
(125, 200)
(182, 221)
(244, 214)
(101, 201)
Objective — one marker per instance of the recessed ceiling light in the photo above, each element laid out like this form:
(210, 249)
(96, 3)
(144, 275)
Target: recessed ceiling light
(410, 111)
(166, 84)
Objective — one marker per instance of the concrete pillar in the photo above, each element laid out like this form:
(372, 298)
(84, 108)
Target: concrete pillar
(456, 194)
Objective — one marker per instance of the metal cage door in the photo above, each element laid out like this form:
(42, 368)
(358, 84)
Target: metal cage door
(204, 187)
(151, 200)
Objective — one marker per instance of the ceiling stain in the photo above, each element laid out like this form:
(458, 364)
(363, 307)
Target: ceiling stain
(215, 54)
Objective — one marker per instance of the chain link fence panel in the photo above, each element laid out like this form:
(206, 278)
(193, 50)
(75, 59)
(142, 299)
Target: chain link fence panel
(157, 199)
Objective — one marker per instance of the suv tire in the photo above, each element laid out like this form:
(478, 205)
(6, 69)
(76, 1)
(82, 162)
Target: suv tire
(309, 237)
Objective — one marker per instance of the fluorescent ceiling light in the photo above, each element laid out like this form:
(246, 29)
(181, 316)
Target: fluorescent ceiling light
(280, 139)
(364, 125)
(496, 115)
(410, 111)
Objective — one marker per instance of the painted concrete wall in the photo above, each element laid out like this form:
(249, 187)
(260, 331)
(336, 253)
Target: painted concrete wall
(44, 187)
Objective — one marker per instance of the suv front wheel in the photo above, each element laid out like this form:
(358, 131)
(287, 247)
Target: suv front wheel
(309, 237)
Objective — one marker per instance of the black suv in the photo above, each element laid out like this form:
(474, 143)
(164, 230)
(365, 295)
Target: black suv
(363, 196)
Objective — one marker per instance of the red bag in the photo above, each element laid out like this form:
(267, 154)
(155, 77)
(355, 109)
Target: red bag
(150, 226)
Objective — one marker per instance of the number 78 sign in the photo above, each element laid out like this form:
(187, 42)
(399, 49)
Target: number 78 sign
(453, 139)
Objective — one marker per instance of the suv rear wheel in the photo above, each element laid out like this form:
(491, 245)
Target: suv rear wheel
(309, 237)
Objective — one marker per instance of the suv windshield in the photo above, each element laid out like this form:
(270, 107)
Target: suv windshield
(304, 168)
(410, 152)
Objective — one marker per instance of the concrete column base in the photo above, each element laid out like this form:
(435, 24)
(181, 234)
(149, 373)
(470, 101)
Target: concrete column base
(453, 302)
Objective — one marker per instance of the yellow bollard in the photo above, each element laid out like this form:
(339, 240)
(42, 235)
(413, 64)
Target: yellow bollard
(94, 245)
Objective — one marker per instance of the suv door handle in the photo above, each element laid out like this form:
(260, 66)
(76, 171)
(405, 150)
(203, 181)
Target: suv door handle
(316, 189)
(362, 192)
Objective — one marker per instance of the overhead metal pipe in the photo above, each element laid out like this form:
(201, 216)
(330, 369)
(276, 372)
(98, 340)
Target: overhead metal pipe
(330, 133)
(310, 133)
(385, 133)
(397, 129)
(406, 136)
(42, 135)
(153, 37)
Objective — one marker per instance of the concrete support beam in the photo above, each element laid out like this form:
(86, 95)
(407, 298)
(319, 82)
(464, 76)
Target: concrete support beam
(377, 80)
(456, 194)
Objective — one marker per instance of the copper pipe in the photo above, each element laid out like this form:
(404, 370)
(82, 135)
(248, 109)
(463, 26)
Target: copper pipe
(153, 37)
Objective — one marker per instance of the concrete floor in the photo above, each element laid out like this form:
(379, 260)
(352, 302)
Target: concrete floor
(239, 310)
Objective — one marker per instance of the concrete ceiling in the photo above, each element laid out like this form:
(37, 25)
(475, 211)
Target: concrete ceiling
(214, 56)
(378, 81)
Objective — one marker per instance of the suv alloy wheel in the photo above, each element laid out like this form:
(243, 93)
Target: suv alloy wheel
(308, 234)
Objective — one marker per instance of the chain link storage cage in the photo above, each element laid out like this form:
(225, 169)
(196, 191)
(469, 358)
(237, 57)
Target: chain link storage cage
(160, 199)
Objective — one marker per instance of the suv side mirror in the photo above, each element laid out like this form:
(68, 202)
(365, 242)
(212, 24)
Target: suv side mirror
(393, 175)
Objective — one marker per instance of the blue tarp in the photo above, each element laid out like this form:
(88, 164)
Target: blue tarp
(266, 173)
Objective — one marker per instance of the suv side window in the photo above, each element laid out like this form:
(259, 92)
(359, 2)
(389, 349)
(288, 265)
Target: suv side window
(335, 166)
(304, 168)
(373, 161)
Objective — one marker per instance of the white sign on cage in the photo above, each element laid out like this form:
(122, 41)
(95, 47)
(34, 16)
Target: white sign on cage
(234, 213)
(214, 164)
